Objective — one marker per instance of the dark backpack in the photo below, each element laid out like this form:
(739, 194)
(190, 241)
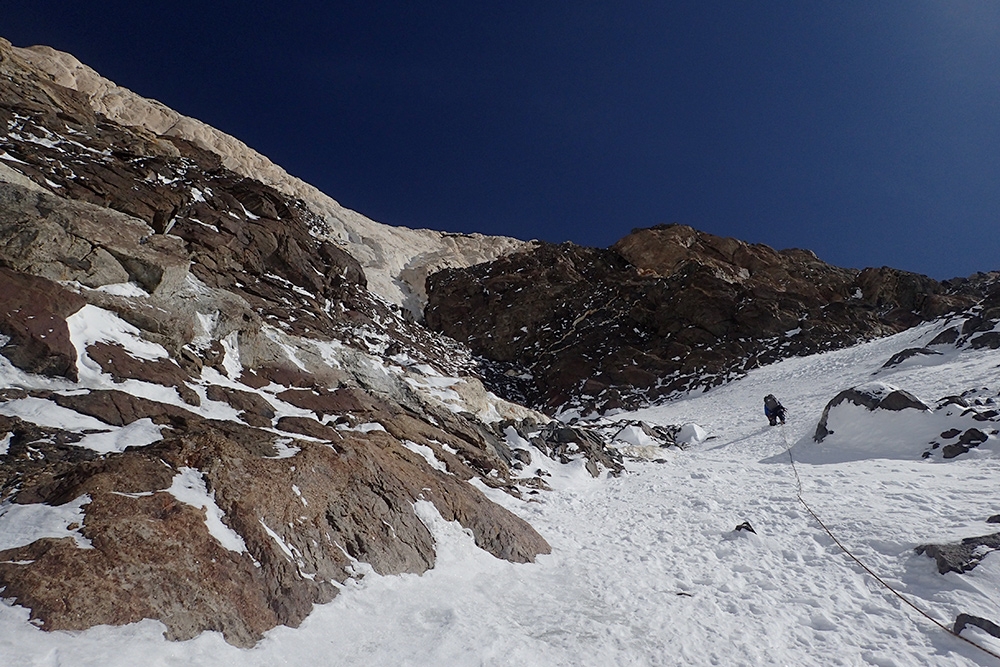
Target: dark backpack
(771, 403)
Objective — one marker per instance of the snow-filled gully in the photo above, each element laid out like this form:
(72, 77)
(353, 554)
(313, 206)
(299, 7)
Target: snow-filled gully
(648, 569)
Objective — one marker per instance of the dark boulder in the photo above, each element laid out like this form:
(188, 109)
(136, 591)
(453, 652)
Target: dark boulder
(961, 556)
(971, 438)
(962, 621)
(909, 353)
(33, 314)
(946, 337)
(990, 340)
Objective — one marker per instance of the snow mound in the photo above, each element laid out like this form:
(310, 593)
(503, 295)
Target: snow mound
(635, 435)
(691, 434)
(880, 421)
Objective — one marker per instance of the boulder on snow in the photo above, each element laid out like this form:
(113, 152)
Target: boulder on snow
(964, 620)
(874, 396)
(961, 556)
(946, 337)
(880, 421)
(972, 437)
(990, 340)
(909, 353)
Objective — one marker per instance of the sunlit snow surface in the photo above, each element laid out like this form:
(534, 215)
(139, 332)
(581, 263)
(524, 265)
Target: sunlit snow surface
(188, 486)
(647, 569)
(23, 524)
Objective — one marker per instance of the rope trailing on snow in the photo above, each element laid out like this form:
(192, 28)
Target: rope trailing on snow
(798, 494)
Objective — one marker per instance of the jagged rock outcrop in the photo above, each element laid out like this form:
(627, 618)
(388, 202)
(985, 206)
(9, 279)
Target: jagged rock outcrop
(979, 326)
(205, 382)
(33, 314)
(665, 310)
(302, 520)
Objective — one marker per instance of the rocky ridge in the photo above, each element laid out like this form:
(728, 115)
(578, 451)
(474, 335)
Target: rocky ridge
(203, 395)
(396, 260)
(664, 311)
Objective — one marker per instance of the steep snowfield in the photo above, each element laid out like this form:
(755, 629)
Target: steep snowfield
(648, 570)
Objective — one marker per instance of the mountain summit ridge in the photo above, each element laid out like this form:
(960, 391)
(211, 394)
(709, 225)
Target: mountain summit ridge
(396, 260)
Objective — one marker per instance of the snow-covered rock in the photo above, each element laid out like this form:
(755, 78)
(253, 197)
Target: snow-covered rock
(879, 421)
(691, 434)
(871, 396)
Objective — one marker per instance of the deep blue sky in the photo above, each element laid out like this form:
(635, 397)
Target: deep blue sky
(866, 131)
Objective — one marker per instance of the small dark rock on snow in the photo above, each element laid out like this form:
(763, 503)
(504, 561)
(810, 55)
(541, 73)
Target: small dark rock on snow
(964, 620)
(961, 556)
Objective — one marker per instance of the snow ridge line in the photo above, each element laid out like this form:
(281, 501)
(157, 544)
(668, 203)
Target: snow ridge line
(798, 494)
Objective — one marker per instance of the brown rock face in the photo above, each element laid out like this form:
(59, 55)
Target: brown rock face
(120, 365)
(665, 310)
(33, 314)
(118, 408)
(308, 470)
(302, 518)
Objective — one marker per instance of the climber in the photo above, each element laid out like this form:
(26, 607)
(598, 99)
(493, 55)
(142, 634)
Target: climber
(773, 410)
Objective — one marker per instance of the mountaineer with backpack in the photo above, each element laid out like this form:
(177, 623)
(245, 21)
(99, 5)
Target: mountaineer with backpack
(773, 410)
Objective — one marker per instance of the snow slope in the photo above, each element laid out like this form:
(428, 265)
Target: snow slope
(647, 569)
